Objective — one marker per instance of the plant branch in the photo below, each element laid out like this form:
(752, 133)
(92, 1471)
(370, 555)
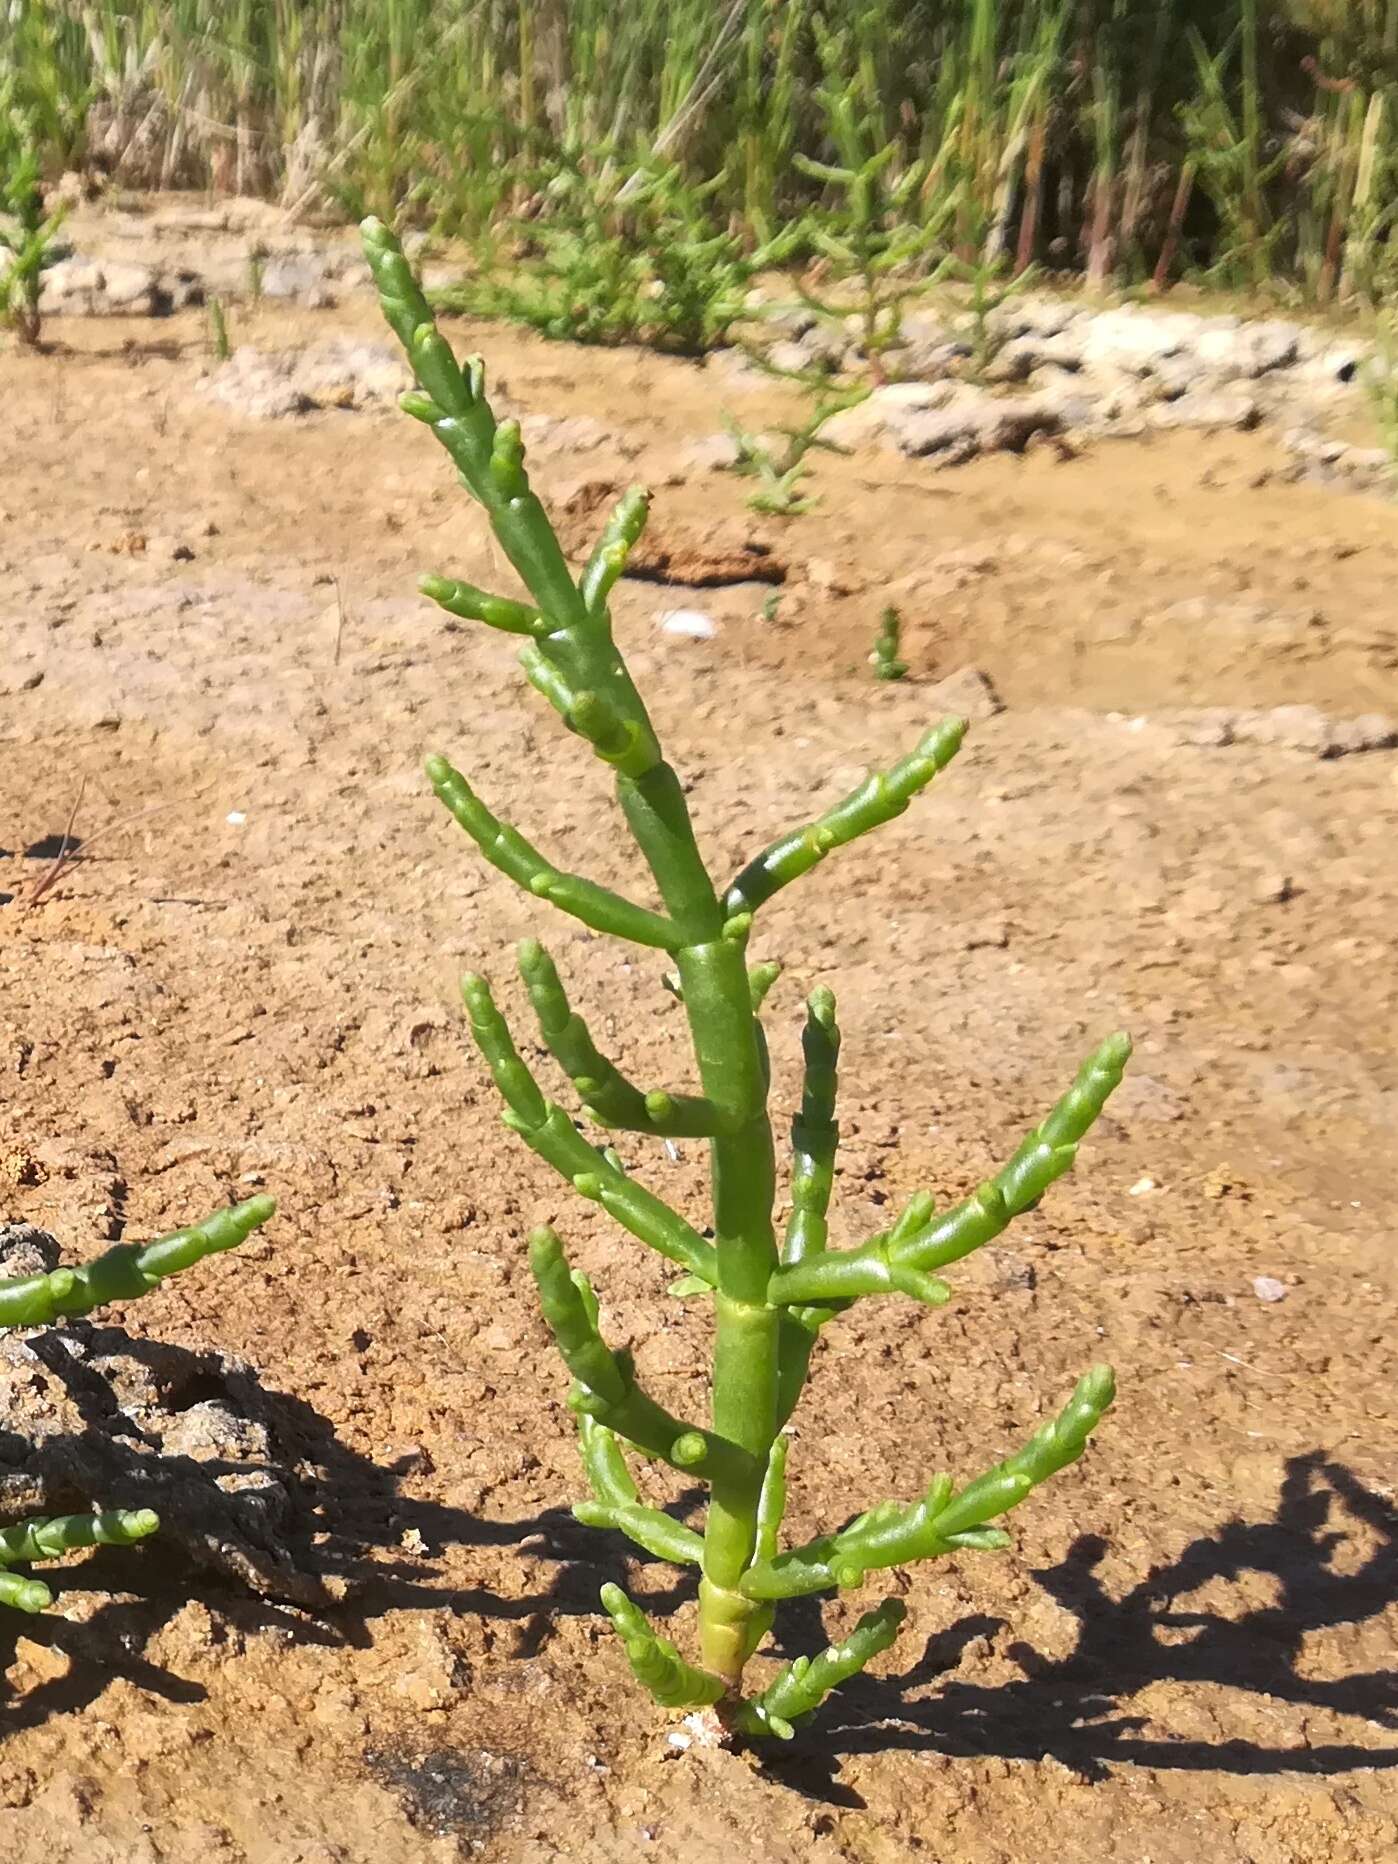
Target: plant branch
(904, 1257)
(654, 1660)
(51, 1538)
(940, 1522)
(815, 1136)
(803, 1685)
(469, 603)
(616, 1503)
(127, 1271)
(882, 796)
(606, 1380)
(608, 1097)
(547, 1130)
(506, 848)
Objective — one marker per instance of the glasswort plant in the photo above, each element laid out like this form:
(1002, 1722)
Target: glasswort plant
(779, 471)
(122, 1273)
(27, 245)
(771, 1298)
(885, 658)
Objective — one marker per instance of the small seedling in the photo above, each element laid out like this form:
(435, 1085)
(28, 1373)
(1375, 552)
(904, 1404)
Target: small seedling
(771, 1298)
(780, 470)
(27, 244)
(884, 659)
(123, 1273)
(990, 284)
(218, 331)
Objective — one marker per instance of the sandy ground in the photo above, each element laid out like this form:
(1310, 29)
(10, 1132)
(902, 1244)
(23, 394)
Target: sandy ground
(214, 648)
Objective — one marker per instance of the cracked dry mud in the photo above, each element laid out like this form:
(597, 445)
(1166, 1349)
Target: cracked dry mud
(212, 634)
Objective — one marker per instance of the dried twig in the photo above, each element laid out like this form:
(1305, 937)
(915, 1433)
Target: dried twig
(70, 854)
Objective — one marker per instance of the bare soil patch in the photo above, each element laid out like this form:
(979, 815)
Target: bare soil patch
(213, 618)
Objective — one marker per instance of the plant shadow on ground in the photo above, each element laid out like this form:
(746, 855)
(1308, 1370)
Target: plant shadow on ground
(352, 1528)
(1070, 1708)
(353, 1524)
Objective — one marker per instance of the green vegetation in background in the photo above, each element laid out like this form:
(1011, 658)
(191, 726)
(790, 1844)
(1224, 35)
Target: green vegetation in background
(780, 468)
(1251, 140)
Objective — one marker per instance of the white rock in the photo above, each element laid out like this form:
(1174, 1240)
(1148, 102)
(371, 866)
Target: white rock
(974, 422)
(1268, 1288)
(1022, 355)
(1041, 317)
(690, 623)
(102, 288)
(1249, 351)
(295, 275)
(1136, 337)
(339, 373)
(1208, 408)
(710, 453)
(869, 420)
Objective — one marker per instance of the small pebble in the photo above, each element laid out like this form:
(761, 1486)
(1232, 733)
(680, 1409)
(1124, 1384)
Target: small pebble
(1142, 1186)
(235, 818)
(1268, 1288)
(692, 623)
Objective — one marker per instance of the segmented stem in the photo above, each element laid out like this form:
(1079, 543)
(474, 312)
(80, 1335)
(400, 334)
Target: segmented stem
(127, 1271)
(50, 1537)
(770, 1304)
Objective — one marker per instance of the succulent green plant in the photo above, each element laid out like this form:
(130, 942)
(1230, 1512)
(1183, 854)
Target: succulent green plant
(878, 248)
(50, 1538)
(613, 261)
(126, 1271)
(122, 1273)
(885, 658)
(27, 245)
(779, 470)
(772, 1298)
(219, 342)
(989, 283)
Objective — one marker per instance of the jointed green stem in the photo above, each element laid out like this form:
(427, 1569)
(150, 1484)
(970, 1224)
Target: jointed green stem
(507, 849)
(547, 1130)
(904, 1257)
(803, 1685)
(815, 1135)
(606, 1381)
(674, 1683)
(127, 1271)
(882, 796)
(608, 1097)
(770, 1304)
(50, 1538)
(617, 1504)
(940, 1522)
(472, 604)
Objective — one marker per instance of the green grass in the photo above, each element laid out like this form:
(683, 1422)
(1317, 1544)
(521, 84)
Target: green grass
(1251, 141)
